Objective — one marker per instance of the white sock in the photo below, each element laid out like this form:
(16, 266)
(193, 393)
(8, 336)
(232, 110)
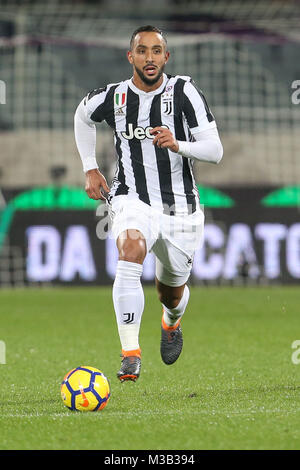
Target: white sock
(128, 299)
(172, 315)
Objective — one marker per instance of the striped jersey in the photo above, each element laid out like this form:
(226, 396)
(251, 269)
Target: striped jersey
(157, 176)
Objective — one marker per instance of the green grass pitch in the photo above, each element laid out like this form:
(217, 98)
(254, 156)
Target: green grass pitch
(234, 386)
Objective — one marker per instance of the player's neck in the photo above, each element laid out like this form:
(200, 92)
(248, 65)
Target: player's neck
(138, 82)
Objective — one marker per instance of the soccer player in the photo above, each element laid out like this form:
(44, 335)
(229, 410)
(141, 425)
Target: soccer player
(161, 124)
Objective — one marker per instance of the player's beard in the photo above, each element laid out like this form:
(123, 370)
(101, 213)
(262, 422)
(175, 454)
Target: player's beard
(150, 81)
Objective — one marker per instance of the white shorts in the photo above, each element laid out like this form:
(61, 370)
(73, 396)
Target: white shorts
(172, 239)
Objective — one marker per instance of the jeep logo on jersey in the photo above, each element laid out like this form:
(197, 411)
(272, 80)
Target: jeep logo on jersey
(139, 133)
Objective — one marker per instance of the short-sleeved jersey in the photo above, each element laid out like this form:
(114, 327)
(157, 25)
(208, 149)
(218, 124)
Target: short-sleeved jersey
(157, 176)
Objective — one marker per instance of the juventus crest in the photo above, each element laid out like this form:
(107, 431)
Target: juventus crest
(167, 103)
(130, 317)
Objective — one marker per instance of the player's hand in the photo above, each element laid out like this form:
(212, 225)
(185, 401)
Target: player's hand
(164, 138)
(96, 185)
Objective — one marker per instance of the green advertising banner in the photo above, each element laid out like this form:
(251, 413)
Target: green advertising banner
(62, 237)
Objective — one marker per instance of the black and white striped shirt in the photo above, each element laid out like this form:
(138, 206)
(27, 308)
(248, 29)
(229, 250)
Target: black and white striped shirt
(157, 176)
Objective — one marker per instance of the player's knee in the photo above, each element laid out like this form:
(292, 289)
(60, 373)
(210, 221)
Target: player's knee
(133, 251)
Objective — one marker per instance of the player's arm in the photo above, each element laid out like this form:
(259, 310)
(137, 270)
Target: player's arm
(85, 137)
(207, 146)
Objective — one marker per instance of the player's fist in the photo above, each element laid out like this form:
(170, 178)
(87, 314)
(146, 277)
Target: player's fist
(96, 185)
(164, 138)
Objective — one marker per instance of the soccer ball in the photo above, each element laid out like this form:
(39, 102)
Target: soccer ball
(85, 389)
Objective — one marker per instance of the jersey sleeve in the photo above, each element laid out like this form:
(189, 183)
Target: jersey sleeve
(196, 110)
(207, 147)
(85, 137)
(94, 104)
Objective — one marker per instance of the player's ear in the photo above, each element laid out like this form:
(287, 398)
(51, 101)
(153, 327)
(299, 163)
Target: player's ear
(167, 55)
(129, 57)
